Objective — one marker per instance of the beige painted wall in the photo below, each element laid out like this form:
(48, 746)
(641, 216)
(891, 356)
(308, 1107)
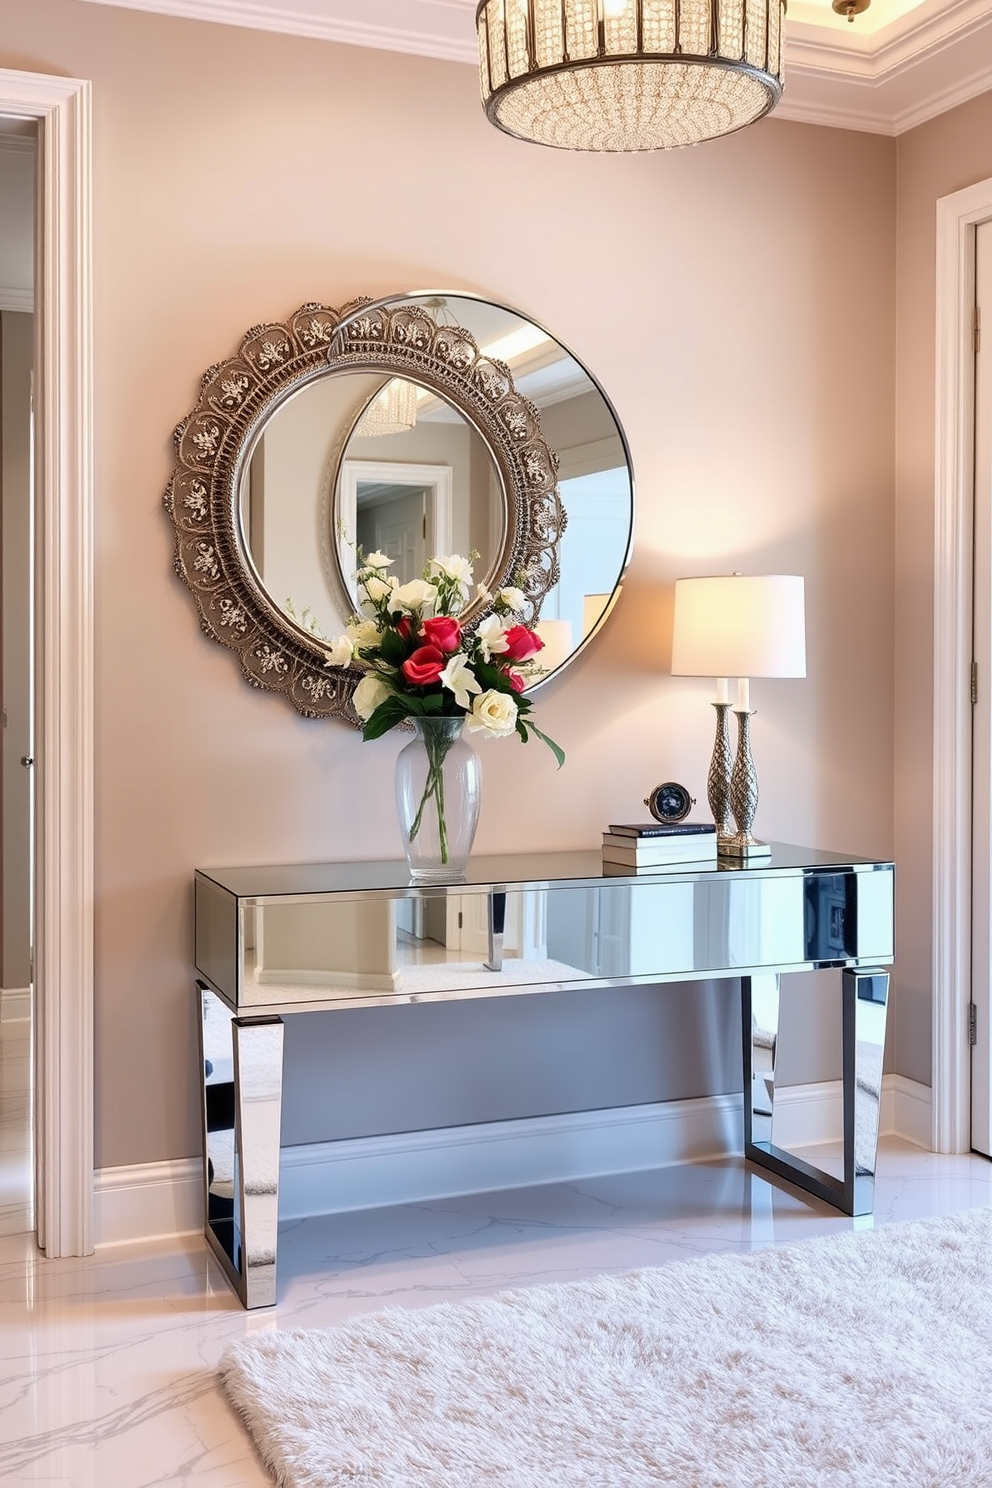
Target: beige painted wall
(947, 154)
(736, 302)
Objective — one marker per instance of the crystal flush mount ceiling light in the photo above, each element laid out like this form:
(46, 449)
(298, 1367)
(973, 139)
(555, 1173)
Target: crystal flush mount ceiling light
(393, 410)
(628, 74)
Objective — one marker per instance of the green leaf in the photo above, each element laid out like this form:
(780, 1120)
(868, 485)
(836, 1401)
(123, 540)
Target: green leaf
(490, 676)
(393, 647)
(390, 712)
(556, 749)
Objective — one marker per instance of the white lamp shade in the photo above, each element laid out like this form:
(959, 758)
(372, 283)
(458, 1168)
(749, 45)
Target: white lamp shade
(593, 606)
(558, 644)
(736, 625)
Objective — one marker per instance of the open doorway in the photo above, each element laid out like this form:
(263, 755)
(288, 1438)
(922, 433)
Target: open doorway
(18, 150)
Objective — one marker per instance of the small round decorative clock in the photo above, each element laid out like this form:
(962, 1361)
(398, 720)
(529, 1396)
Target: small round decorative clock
(670, 802)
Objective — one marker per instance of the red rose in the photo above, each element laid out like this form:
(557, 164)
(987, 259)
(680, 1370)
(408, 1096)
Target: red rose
(521, 644)
(442, 631)
(403, 627)
(424, 666)
(516, 681)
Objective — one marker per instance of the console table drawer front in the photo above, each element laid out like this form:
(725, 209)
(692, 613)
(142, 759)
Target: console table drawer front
(479, 940)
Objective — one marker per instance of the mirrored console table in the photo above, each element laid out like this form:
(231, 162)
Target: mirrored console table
(271, 941)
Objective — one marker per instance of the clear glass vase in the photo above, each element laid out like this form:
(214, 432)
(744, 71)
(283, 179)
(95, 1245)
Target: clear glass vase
(438, 791)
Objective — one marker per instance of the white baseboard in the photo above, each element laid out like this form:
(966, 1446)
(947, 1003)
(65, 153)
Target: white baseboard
(147, 1201)
(15, 1004)
(152, 1200)
(907, 1110)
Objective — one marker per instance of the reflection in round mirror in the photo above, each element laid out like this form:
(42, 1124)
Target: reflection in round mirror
(416, 480)
(312, 493)
(594, 475)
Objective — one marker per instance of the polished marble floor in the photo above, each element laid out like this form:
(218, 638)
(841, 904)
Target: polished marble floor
(107, 1364)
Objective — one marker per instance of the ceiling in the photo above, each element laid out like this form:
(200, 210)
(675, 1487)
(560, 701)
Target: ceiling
(900, 63)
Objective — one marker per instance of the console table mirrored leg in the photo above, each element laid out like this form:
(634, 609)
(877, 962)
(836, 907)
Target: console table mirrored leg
(865, 1003)
(241, 1063)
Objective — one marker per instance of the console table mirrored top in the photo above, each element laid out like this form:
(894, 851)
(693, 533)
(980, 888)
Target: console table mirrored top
(280, 939)
(334, 934)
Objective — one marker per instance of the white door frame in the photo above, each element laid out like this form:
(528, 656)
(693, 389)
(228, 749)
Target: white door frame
(957, 218)
(401, 473)
(63, 961)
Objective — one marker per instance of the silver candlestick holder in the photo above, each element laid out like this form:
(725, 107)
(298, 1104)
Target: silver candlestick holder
(718, 780)
(744, 796)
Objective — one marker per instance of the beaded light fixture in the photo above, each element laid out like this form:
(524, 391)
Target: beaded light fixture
(628, 74)
(393, 410)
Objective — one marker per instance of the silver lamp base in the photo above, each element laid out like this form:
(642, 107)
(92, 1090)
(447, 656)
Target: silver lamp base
(743, 798)
(742, 845)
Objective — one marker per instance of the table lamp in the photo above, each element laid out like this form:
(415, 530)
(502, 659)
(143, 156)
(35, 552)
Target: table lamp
(558, 645)
(741, 626)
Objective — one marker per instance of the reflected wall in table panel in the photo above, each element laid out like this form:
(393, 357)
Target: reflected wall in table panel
(343, 947)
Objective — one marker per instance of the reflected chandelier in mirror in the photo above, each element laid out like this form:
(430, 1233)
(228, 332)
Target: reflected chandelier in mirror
(397, 424)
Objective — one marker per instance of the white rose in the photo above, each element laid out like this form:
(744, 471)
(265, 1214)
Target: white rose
(453, 567)
(512, 598)
(378, 560)
(493, 713)
(377, 589)
(492, 636)
(340, 652)
(367, 696)
(363, 633)
(460, 678)
(417, 595)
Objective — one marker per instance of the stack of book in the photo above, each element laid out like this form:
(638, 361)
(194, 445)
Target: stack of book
(635, 847)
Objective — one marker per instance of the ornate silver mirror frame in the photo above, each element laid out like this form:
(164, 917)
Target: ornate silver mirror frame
(239, 395)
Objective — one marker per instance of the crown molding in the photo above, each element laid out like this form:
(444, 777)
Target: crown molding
(15, 298)
(933, 58)
(904, 45)
(383, 25)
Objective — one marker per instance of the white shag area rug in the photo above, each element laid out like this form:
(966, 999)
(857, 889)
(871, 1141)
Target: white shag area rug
(857, 1361)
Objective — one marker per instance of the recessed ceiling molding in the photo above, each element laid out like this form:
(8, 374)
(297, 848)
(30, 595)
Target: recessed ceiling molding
(907, 43)
(933, 58)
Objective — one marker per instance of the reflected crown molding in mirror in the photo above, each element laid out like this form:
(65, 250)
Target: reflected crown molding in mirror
(247, 528)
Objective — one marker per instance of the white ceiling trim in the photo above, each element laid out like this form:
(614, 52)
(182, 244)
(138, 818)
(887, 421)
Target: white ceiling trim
(845, 86)
(939, 103)
(848, 113)
(878, 61)
(16, 299)
(423, 41)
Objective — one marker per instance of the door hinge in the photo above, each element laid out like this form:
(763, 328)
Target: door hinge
(977, 330)
(972, 1024)
(974, 683)
(461, 920)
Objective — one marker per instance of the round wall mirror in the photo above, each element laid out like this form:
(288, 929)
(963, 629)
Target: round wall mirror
(416, 425)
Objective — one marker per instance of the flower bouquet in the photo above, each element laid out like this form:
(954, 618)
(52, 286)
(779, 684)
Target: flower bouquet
(422, 665)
